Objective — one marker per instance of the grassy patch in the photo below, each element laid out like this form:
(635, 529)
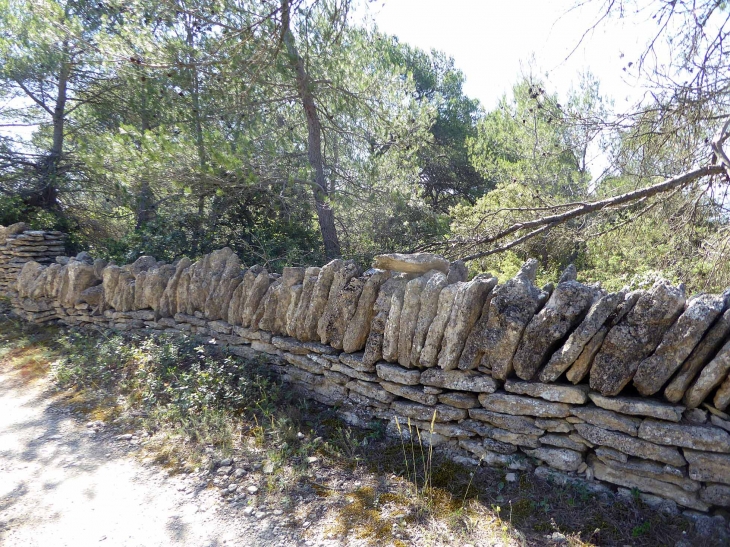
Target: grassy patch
(193, 405)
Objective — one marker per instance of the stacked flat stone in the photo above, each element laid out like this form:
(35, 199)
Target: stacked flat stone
(19, 244)
(626, 388)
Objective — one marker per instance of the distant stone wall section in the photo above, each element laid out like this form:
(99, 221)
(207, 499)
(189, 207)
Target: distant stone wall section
(516, 375)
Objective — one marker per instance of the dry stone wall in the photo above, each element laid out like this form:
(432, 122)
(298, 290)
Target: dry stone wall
(627, 389)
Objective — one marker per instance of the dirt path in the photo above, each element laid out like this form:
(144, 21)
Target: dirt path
(65, 484)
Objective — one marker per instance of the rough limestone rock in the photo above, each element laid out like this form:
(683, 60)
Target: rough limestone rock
(563, 441)
(647, 484)
(358, 328)
(381, 310)
(635, 337)
(558, 458)
(576, 395)
(311, 275)
(418, 263)
(630, 445)
(290, 278)
(662, 472)
(468, 304)
(426, 413)
(523, 406)
(27, 277)
(222, 286)
(342, 276)
(700, 356)
(168, 300)
(639, 407)
(259, 288)
(722, 396)
(565, 356)
(607, 419)
(435, 283)
(232, 314)
(716, 494)
(711, 376)
(582, 365)
(678, 343)
(412, 393)
(391, 335)
(459, 399)
(266, 312)
(431, 346)
(342, 312)
(460, 380)
(318, 301)
(289, 324)
(154, 286)
(523, 425)
(77, 277)
(397, 374)
(696, 437)
(512, 307)
(565, 309)
(409, 316)
(457, 272)
(708, 467)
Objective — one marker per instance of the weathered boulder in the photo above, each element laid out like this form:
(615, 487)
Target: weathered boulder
(566, 355)
(358, 328)
(342, 275)
(711, 376)
(468, 303)
(678, 343)
(565, 309)
(510, 310)
(431, 346)
(700, 356)
(418, 263)
(289, 326)
(635, 337)
(381, 310)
